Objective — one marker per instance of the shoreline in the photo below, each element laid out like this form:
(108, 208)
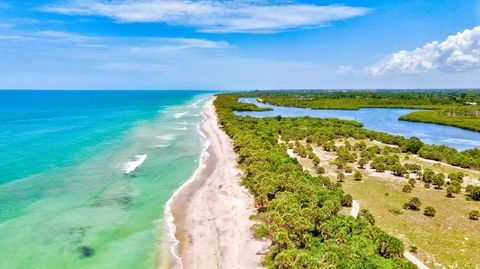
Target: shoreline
(207, 218)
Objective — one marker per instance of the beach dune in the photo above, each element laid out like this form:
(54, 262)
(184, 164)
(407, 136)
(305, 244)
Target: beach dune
(211, 212)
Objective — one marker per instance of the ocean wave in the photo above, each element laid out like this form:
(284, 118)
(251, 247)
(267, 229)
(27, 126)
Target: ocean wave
(167, 137)
(195, 105)
(169, 219)
(130, 166)
(180, 128)
(181, 114)
(161, 146)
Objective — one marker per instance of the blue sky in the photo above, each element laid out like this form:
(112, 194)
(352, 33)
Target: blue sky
(239, 44)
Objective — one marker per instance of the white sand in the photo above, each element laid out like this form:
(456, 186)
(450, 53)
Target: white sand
(211, 213)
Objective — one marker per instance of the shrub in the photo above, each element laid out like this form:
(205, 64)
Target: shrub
(428, 175)
(429, 211)
(348, 169)
(450, 191)
(358, 176)
(413, 204)
(399, 170)
(473, 192)
(407, 188)
(474, 214)
(456, 176)
(426, 185)
(365, 216)
(380, 167)
(341, 177)
(389, 246)
(439, 180)
(347, 200)
(362, 162)
(320, 170)
(412, 182)
(413, 249)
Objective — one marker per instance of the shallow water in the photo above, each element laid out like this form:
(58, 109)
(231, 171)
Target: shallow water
(88, 174)
(380, 119)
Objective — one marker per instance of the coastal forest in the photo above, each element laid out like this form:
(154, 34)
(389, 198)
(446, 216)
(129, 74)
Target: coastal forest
(302, 211)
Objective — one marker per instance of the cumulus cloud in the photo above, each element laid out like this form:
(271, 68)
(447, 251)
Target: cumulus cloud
(214, 16)
(458, 52)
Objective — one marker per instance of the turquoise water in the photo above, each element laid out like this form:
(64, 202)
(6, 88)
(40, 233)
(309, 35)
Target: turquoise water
(383, 120)
(66, 199)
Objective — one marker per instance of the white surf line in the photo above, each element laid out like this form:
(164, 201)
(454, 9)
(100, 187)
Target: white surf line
(181, 114)
(169, 219)
(355, 209)
(409, 256)
(130, 166)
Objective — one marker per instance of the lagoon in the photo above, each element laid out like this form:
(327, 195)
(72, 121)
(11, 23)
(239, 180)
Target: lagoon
(379, 119)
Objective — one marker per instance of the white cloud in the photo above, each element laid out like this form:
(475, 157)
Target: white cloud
(458, 52)
(344, 69)
(175, 44)
(214, 16)
(145, 45)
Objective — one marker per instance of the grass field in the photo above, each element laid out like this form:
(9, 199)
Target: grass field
(448, 240)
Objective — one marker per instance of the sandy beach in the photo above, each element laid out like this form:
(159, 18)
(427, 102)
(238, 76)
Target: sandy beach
(211, 212)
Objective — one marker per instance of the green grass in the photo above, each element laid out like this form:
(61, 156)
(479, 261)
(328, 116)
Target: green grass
(441, 239)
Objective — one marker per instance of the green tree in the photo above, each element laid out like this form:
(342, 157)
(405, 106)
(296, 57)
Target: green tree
(362, 162)
(399, 170)
(428, 175)
(473, 192)
(380, 167)
(412, 145)
(439, 180)
(450, 191)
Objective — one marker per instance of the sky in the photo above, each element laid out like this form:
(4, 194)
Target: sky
(239, 44)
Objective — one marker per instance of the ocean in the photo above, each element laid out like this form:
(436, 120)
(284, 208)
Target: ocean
(85, 175)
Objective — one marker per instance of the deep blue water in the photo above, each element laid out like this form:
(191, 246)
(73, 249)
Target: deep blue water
(380, 119)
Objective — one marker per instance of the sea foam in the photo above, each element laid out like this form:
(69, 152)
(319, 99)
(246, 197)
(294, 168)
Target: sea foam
(130, 166)
(169, 219)
(167, 137)
(161, 146)
(181, 114)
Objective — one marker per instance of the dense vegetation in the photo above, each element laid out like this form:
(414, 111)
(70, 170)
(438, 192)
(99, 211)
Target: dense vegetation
(469, 121)
(449, 107)
(299, 212)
